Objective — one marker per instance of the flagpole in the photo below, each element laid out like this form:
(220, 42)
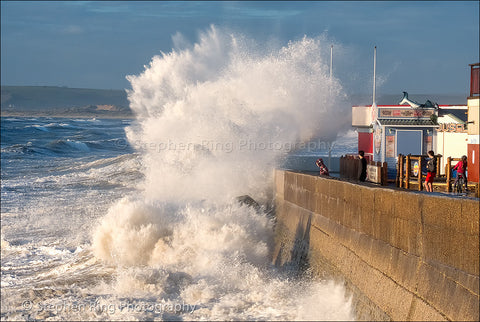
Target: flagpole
(330, 91)
(374, 75)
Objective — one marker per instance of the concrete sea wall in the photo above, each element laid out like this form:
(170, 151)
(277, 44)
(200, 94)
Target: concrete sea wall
(402, 255)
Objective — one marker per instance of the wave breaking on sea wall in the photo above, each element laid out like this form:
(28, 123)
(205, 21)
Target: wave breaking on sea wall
(212, 121)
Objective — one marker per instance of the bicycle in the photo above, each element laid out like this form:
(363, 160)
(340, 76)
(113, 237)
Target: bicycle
(459, 183)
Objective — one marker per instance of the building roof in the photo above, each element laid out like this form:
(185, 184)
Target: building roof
(450, 118)
(461, 115)
(407, 122)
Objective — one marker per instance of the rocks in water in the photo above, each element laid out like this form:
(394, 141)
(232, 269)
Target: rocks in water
(250, 202)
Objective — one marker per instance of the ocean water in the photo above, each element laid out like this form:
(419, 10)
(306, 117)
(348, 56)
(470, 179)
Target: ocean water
(138, 219)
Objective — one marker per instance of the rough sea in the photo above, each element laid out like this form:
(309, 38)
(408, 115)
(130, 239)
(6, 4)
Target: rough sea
(111, 219)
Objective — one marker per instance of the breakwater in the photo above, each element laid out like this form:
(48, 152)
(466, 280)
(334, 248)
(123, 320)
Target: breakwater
(402, 255)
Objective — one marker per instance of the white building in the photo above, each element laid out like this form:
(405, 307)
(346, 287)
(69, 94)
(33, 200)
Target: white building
(451, 138)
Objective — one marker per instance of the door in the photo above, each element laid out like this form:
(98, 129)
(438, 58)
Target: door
(409, 142)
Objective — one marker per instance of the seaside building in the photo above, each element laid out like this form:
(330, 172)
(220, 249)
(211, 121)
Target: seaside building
(473, 103)
(385, 131)
(451, 134)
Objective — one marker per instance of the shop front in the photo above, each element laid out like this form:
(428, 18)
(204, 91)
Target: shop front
(394, 130)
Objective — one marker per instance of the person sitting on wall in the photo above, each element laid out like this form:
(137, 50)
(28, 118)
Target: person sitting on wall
(363, 169)
(431, 171)
(461, 168)
(322, 166)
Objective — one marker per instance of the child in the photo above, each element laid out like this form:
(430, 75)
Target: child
(461, 168)
(322, 166)
(431, 171)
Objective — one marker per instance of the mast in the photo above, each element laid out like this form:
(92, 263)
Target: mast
(374, 74)
(330, 91)
(374, 103)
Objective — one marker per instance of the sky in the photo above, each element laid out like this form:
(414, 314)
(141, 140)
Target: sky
(422, 46)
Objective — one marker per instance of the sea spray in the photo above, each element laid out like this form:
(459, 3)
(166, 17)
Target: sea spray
(212, 122)
(214, 119)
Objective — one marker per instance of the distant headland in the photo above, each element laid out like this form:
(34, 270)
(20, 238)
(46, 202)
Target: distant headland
(64, 102)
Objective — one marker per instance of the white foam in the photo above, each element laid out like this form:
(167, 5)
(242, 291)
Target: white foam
(212, 121)
(40, 127)
(215, 258)
(77, 145)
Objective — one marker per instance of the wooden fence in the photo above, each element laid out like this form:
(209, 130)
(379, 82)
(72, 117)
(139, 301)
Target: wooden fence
(350, 168)
(408, 174)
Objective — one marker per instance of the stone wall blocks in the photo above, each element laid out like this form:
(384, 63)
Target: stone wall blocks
(414, 255)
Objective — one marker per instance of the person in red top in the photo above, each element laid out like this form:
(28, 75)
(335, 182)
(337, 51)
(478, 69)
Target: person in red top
(461, 168)
(322, 166)
(431, 171)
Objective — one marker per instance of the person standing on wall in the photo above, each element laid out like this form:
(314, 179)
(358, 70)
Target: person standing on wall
(363, 169)
(322, 166)
(431, 171)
